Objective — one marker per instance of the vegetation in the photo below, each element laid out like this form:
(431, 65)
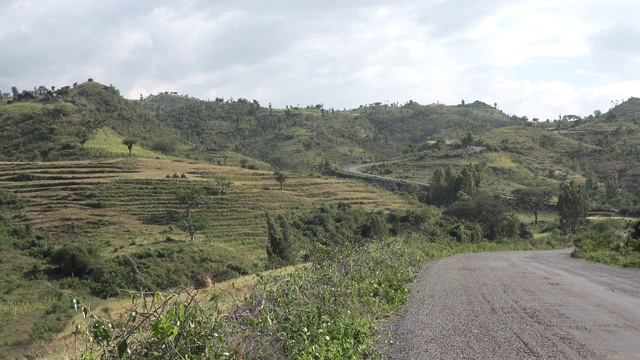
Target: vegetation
(327, 310)
(102, 197)
(604, 242)
(572, 207)
(533, 198)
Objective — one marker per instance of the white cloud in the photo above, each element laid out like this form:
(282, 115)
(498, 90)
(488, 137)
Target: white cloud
(536, 58)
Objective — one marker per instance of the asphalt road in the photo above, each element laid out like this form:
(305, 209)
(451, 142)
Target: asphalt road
(518, 305)
(356, 170)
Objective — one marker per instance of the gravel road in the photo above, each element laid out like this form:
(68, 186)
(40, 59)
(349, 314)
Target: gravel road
(518, 305)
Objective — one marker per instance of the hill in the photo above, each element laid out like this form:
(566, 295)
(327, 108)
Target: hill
(309, 136)
(54, 125)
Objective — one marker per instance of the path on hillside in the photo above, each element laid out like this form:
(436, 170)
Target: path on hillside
(355, 169)
(519, 305)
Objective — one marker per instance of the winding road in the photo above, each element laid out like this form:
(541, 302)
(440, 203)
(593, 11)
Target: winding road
(518, 305)
(355, 169)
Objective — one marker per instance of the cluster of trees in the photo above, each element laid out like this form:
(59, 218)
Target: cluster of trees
(448, 186)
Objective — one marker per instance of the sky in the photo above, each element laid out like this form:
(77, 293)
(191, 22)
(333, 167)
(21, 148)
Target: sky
(534, 58)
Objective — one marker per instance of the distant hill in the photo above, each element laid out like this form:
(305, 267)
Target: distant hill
(53, 125)
(308, 136)
(56, 124)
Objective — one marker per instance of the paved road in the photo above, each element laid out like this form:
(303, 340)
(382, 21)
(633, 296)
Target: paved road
(356, 170)
(519, 305)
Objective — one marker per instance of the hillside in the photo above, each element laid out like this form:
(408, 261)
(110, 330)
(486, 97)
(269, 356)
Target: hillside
(68, 123)
(308, 136)
(54, 125)
(126, 213)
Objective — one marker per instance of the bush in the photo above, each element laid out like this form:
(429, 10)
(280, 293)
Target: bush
(165, 145)
(75, 259)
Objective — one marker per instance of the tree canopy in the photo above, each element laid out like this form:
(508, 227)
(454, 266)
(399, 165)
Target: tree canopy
(573, 207)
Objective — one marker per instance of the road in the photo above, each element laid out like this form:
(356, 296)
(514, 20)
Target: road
(355, 169)
(518, 305)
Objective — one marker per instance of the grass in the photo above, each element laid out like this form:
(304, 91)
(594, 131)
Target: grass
(107, 143)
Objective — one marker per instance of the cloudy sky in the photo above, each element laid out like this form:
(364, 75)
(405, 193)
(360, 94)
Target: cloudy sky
(535, 58)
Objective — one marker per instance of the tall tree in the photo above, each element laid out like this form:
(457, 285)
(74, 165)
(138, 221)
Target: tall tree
(612, 189)
(533, 198)
(438, 187)
(468, 139)
(279, 233)
(573, 207)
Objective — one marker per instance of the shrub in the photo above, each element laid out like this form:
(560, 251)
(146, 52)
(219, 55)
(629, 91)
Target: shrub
(75, 259)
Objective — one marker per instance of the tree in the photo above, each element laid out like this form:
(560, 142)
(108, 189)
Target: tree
(191, 197)
(438, 187)
(468, 140)
(192, 224)
(280, 178)
(573, 207)
(223, 183)
(278, 162)
(468, 181)
(611, 187)
(280, 244)
(129, 142)
(494, 218)
(533, 198)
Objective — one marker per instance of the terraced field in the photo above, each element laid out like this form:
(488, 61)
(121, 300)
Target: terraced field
(121, 203)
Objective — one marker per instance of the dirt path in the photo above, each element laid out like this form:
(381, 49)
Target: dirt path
(519, 305)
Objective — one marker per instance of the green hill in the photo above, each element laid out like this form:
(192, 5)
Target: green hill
(54, 126)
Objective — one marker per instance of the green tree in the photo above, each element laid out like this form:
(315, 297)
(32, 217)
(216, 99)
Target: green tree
(495, 219)
(278, 162)
(533, 198)
(611, 187)
(438, 187)
(573, 207)
(468, 140)
(280, 244)
(84, 137)
(280, 178)
(467, 180)
(223, 183)
(192, 224)
(191, 197)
